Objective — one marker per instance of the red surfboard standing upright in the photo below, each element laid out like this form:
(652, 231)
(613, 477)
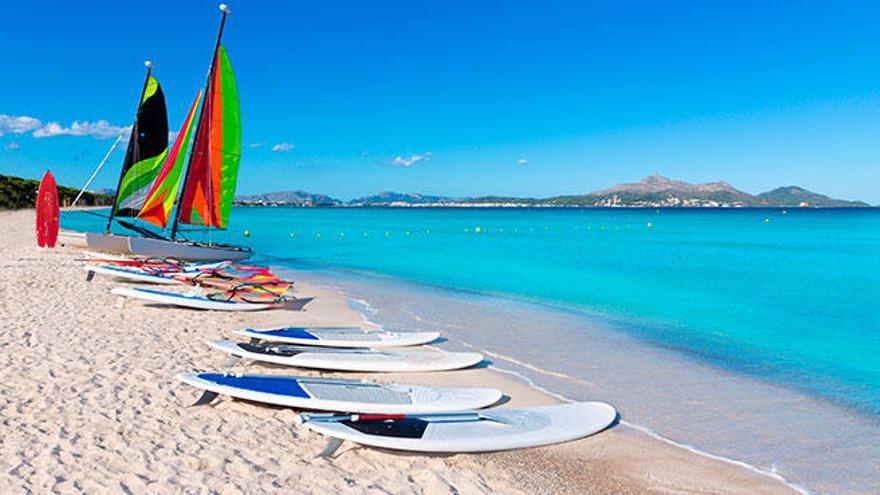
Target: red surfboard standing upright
(47, 211)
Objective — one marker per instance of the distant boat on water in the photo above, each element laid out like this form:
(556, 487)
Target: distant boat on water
(151, 172)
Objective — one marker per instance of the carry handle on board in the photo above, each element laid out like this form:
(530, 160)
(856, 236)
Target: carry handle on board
(355, 418)
(334, 443)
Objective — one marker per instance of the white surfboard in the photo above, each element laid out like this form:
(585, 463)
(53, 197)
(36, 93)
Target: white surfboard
(367, 360)
(129, 274)
(340, 336)
(472, 431)
(335, 394)
(188, 301)
(138, 275)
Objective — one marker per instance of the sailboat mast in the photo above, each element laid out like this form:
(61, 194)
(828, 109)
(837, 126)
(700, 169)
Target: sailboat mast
(225, 9)
(131, 142)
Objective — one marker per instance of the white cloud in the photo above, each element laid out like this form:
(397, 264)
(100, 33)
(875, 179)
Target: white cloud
(18, 124)
(21, 124)
(100, 129)
(283, 147)
(11, 146)
(408, 161)
(522, 161)
(255, 145)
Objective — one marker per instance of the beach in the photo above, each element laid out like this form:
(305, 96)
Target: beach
(90, 404)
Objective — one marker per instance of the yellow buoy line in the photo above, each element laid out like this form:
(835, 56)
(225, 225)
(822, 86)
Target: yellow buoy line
(468, 231)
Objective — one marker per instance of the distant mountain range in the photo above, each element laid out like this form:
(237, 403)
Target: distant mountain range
(301, 198)
(652, 191)
(392, 198)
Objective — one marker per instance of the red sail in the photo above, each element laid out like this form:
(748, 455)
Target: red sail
(213, 167)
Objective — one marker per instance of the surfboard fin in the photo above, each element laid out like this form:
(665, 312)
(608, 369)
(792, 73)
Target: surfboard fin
(90, 275)
(332, 446)
(206, 398)
(231, 361)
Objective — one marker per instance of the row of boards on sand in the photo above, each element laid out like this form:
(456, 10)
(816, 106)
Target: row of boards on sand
(383, 415)
(402, 417)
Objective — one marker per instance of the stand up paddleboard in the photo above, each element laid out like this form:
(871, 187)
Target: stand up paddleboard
(339, 336)
(473, 431)
(334, 394)
(47, 212)
(366, 360)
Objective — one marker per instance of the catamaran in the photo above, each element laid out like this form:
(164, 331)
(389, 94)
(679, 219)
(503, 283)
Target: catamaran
(151, 172)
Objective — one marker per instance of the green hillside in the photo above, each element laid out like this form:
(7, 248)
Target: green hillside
(16, 193)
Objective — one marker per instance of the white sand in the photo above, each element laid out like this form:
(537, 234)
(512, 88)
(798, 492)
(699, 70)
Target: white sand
(89, 403)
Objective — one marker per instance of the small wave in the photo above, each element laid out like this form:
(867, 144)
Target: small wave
(364, 304)
(772, 473)
(536, 369)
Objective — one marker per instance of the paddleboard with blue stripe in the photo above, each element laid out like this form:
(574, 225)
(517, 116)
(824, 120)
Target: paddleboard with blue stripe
(334, 394)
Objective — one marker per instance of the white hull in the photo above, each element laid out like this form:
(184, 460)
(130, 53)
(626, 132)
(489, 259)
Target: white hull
(72, 238)
(486, 431)
(194, 302)
(362, 360)
(152, 248)
(340, 337)
(108, 243)
(161, 248)
(342, 395)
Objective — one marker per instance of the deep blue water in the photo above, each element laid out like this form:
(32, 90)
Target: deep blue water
(789, 296)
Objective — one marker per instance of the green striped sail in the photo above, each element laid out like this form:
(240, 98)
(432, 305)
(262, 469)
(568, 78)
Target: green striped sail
(146, 151)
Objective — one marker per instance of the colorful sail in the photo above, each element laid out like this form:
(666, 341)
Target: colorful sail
(213, 168)
(146, 151)
(160, 199)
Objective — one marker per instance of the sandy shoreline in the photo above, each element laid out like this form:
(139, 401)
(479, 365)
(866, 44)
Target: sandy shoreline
(90, 404)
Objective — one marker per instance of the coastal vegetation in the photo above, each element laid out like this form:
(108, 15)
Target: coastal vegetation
(17, 193)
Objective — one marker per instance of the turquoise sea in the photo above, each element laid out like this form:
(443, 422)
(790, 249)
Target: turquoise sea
(776, 305)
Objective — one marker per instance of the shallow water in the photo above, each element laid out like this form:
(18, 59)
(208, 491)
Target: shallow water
(705, 325)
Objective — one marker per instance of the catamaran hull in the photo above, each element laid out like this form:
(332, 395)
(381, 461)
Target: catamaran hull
(108, 243)
(72, 238)
(161, 248)
(153, 248)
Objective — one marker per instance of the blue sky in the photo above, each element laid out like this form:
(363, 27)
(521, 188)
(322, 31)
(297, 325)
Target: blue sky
(466, 97)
